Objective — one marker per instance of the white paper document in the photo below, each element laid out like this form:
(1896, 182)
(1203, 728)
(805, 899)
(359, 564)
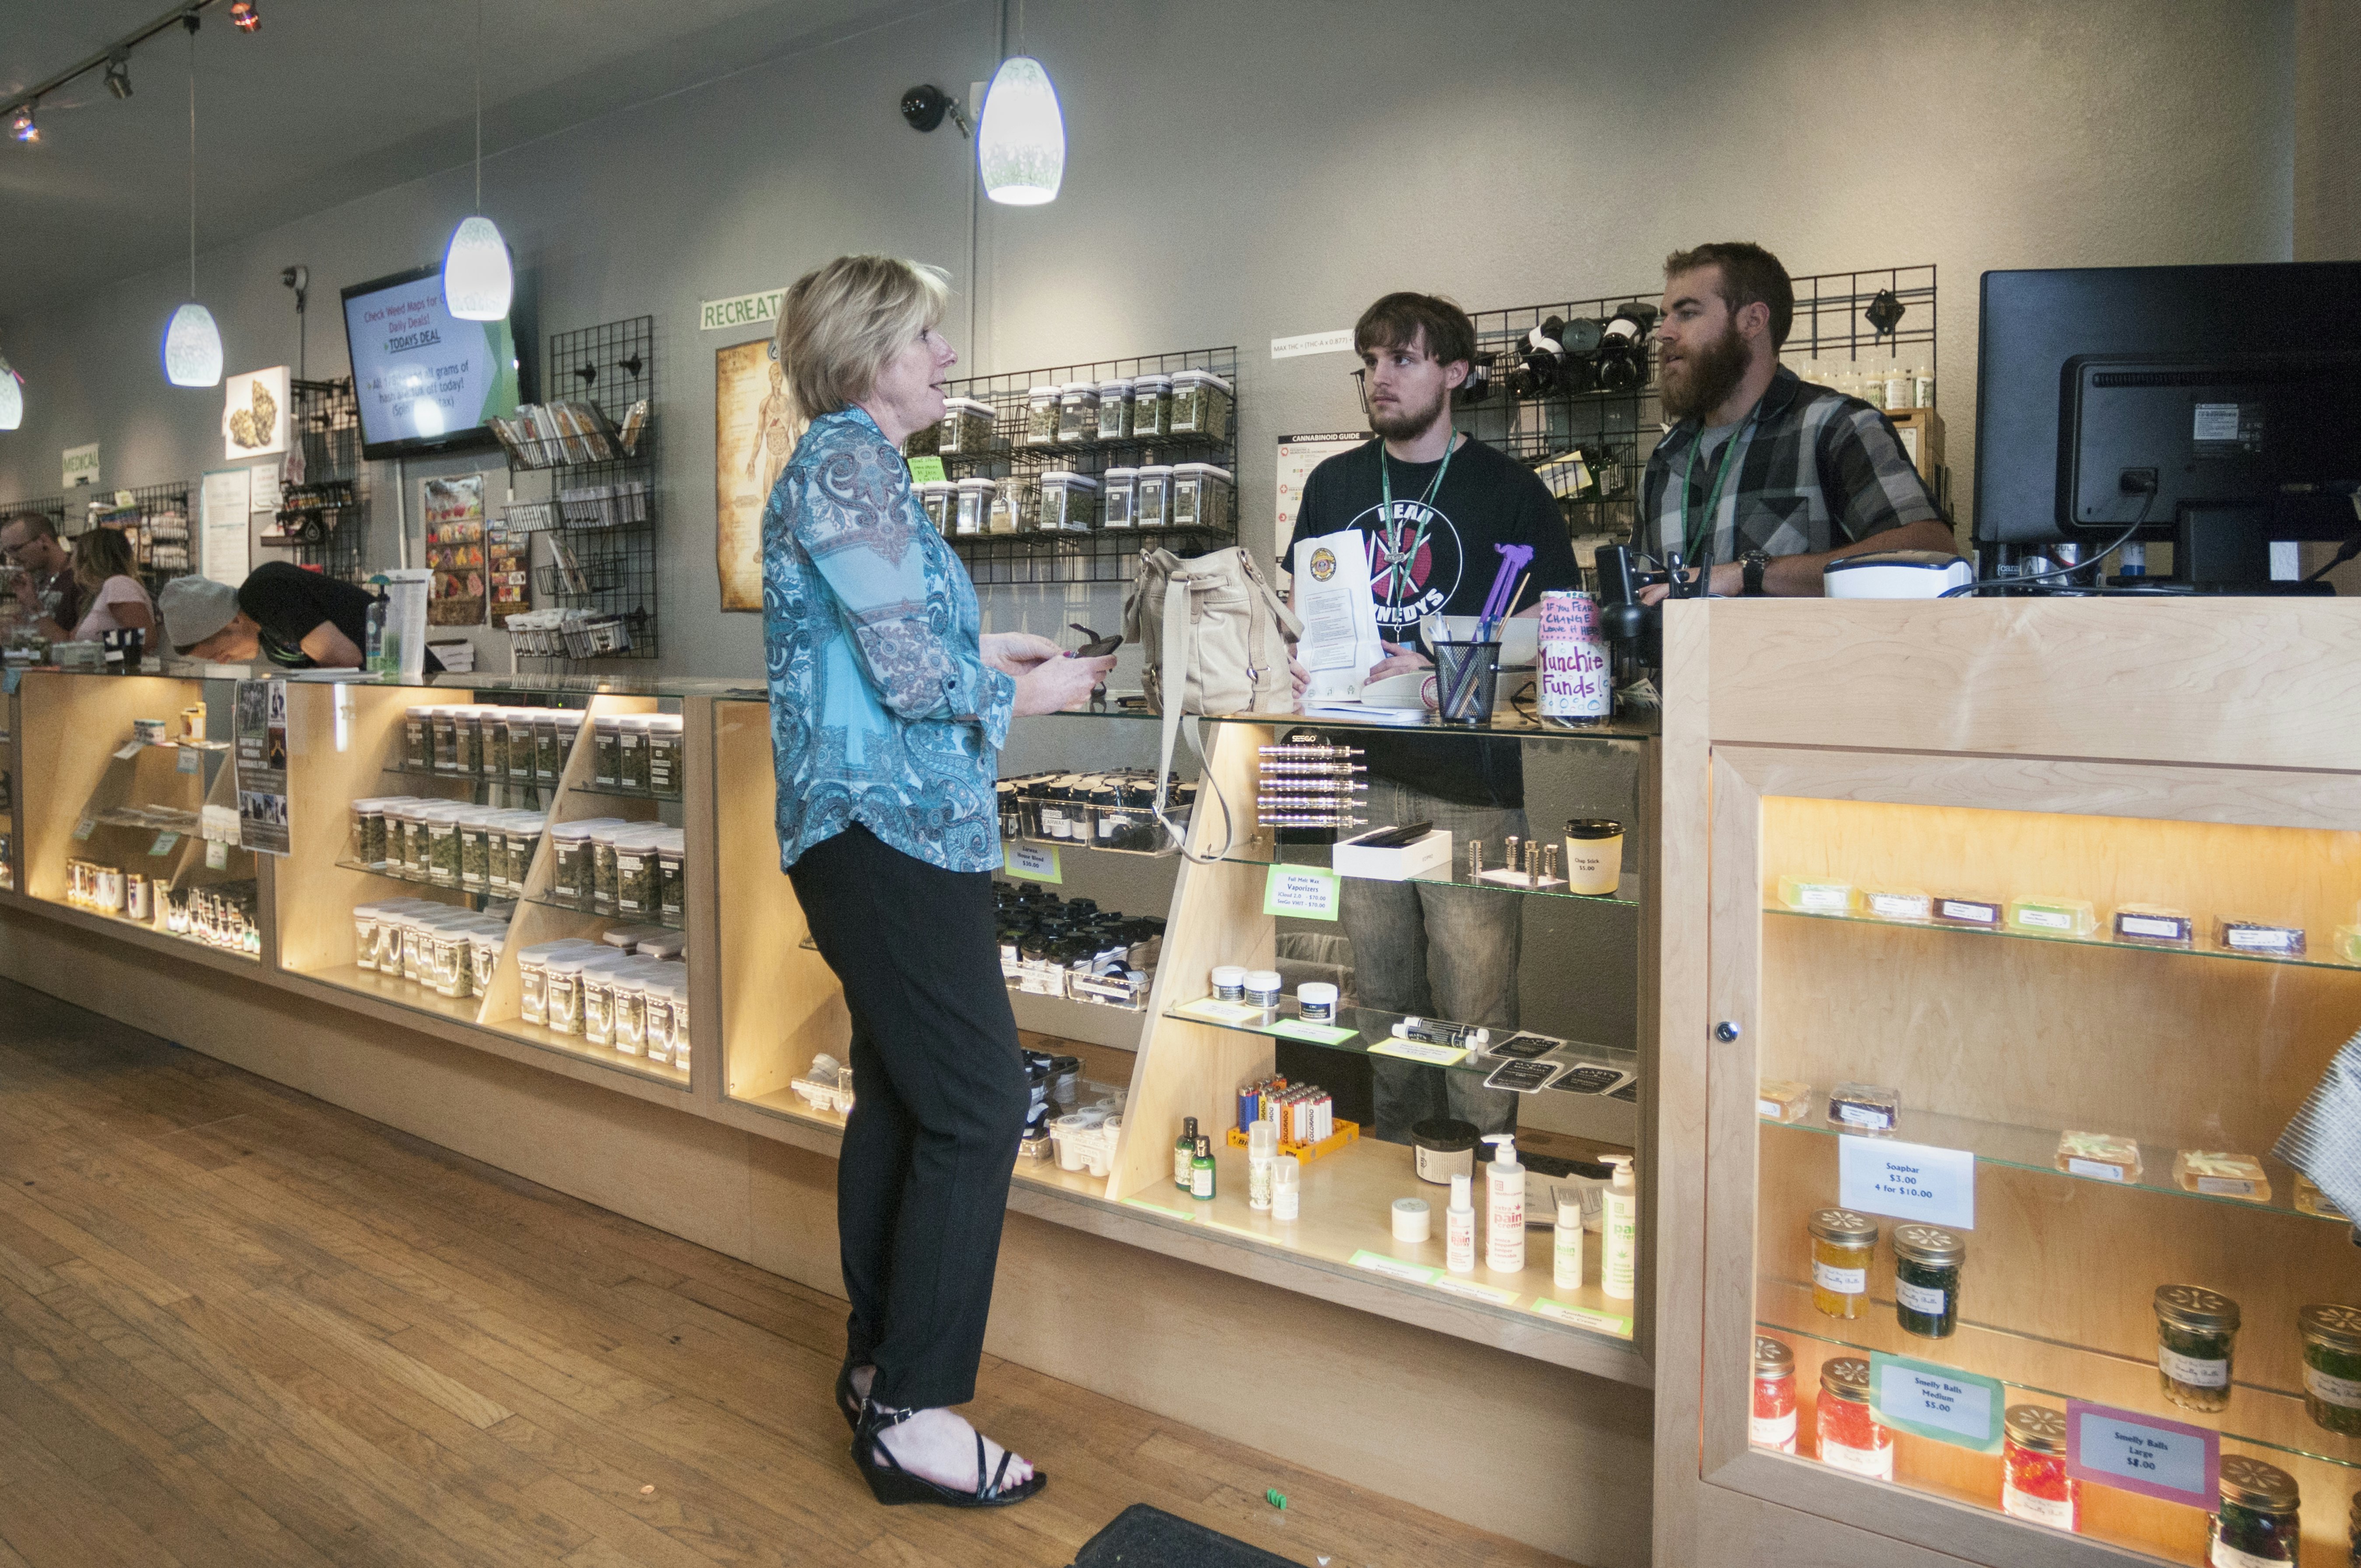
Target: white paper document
(1340, 613)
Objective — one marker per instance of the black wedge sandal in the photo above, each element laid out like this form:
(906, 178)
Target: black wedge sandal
(850, 1405)
(891, 1485)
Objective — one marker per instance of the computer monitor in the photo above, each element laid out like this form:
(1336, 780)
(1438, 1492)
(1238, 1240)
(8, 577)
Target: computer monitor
(2226, 400)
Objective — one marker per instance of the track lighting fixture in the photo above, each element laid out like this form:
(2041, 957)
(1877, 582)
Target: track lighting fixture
(246, 17)
(21, 127)
(118, 74)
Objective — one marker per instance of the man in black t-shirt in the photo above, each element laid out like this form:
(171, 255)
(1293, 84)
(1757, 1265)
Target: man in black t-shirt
(1420, 947)
(295, 618)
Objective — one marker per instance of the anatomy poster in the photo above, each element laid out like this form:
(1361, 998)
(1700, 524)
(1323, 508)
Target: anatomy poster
(755, 433)
(454, 511)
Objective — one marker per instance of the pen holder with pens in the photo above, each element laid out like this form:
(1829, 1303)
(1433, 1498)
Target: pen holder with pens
(1465, 676)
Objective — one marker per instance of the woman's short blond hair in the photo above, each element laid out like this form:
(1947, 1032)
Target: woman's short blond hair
(840, 324)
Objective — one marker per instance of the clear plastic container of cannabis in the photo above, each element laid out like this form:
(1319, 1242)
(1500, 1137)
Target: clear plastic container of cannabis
(1152, 407)
(972, 514)
(966, 427)
(1114, 410)
(1078, 413)
(1068, 502)
(1201, 497)
(1154, 507)
(1200, 405)
(1118, 490)
(1041, 415)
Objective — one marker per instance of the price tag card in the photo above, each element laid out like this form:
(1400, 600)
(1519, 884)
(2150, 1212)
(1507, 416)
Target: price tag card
(1585, 1317)
(85, 828)
(128, 750)
(1460, 1285)
(1208, 1011)
(2148, 1454)
(927, 470)
(1033, 863)
(1394, 1268)
(1418, 1050)
(1160, 1209)
(1318, 1034)
(1308, 892)
(217, 855)
(1909, 1181)
(190, 761)
(163, 844)
(1941, 1402)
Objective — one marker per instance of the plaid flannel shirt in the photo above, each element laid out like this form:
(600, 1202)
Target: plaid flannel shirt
(1817, 470)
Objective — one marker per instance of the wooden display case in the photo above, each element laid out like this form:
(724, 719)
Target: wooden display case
(345, 743)
(90, 790)
(2116, 753)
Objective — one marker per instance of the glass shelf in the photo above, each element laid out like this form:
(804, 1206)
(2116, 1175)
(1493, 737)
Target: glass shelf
(2202, 951)
(622, 792)
(2036, 1149)
(2259, 1417)
(478, 898)
(574, 906)
(1366, 1027)
(1259, 852)
(474, 780)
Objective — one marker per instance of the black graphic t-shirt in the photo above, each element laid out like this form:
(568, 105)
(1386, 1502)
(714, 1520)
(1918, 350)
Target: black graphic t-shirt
(1442, 560)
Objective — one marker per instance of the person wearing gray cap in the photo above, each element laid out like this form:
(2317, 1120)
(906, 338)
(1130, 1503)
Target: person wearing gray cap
(294, 619)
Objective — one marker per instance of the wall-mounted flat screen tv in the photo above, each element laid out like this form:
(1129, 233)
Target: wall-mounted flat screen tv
(426, 380)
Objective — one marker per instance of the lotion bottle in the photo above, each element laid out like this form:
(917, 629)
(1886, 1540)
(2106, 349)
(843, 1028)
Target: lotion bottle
(1617, 1262)
(1459, 1225)
(1184, 1149)
(1262, 1153)
(1565, 1252)
(1201, 1170)
(1504, 1207)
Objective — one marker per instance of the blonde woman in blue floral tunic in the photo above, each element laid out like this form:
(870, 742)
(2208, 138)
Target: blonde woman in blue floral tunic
(888, 709)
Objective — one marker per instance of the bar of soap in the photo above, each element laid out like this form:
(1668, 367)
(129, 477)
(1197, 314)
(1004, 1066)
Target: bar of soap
(1818, 894)
(2052, 916)
(1897, 903)
(2155, 924)
(2258, 936)
(1864, 1107)
(2310, 1199)
(1782, 1100)
(1968, 911)
(2103, 1156)
(2222, 1175)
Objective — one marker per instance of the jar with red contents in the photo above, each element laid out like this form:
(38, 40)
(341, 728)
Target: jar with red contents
(2034, 1483)
(1851, 1437)
(1774, 1423)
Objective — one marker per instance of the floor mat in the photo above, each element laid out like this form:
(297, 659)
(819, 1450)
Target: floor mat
(1143, 1537)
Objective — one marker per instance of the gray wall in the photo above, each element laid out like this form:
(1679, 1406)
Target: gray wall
(1241, 170)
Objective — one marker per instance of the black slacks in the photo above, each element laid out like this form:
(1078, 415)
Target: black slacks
(939, 1102)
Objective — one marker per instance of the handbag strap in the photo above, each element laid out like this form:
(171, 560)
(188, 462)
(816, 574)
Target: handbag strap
(1179, 610)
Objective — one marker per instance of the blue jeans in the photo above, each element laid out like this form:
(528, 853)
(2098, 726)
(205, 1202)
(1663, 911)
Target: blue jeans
(1437, 952)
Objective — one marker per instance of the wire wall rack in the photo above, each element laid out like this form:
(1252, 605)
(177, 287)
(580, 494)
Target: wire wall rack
(1588, 420)
(598, 517)
(1101, 555)
(322, 520)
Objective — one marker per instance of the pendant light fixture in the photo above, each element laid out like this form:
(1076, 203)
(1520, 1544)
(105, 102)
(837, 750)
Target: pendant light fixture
(1020, 140)
(193, 344)
(478, 279)
(12, 396)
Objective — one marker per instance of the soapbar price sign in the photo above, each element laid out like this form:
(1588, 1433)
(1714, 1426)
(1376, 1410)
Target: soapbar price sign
(1308, 892)
(1940, 1402)
(1033, 863)
(1909, 1181)
(2133, 1453)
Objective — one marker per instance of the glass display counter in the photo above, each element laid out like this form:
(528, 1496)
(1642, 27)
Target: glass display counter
(131, 809)
(1178, 1052)
(1999, 1257)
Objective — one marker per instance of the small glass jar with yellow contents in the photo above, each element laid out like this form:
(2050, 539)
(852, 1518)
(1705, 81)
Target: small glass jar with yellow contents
(1842, 1245)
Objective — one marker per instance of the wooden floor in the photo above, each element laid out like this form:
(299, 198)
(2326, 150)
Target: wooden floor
(239, 1326)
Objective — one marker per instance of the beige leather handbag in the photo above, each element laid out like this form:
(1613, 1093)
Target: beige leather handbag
(1217, 640)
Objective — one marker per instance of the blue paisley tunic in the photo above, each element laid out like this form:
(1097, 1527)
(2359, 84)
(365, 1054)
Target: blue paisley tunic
(882, 711)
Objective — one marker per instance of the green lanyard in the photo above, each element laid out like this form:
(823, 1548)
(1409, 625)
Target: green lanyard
(1689, 539)
(1398, 566)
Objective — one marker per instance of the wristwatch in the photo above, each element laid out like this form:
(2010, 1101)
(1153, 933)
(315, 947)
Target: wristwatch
(1751, 566)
